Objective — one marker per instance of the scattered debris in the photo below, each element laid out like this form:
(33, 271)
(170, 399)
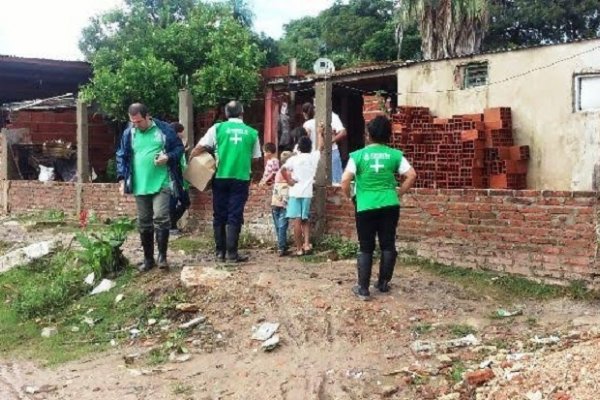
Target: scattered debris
(203, 276)
(388, 391)
(192, 323)
(130, 358)
(25, 255)
(547, 340)
(119, 298)
(187, 307)
(502, 313)
(41, 389)
(90, 278)
(104, 286)
(270, 344)
(179, 358)
(49, 332)
(265, 331)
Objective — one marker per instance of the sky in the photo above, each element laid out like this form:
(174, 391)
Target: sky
(52, 28)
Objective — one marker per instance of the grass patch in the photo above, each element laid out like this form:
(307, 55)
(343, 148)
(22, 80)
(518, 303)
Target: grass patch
(461, 330)
(457, 371)
(503, 287)
(20, 327)
(422, 329)
(343, 247)
(192, 245)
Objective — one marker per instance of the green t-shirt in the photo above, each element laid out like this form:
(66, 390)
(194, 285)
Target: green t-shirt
(183, 165)
(376, 168)
(147, 177)
(235, 145)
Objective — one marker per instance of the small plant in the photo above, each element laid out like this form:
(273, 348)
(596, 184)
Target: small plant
(459, 330)
(181, 388)
(55, 215)
(422, 329)
(111, 170)
(457, 371)
(343, 247)
(102, 251)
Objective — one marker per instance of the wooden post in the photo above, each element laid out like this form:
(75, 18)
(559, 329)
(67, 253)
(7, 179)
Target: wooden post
(269, 118)
(186, 116)
(293, 71)
(323, 177)
(83, 158)
(4, 162)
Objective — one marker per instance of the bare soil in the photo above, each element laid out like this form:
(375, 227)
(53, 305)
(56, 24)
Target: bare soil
(335, 347)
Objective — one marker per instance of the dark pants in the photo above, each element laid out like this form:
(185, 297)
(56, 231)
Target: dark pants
(177, 207)
(229, 199)
(382, 223)
(153, 211)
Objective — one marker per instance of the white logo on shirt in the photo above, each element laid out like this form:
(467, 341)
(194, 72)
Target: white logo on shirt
(376, 166)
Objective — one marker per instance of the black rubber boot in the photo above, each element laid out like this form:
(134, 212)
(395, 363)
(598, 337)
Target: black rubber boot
(233, 237)
(365, 263)
(162, 241)
(386, 270)
(147, 239)
(220, 240)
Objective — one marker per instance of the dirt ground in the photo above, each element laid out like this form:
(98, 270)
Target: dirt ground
(335, 347)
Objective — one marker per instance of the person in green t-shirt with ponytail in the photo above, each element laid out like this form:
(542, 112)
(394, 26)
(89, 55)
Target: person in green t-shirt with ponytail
(374, 170)
(236, 146)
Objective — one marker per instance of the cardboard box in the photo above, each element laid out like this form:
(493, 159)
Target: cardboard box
(200, 171)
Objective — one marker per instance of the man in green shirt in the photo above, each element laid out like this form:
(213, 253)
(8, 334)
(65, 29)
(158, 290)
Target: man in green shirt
(374, 169)
(236, 145)
(148, 167)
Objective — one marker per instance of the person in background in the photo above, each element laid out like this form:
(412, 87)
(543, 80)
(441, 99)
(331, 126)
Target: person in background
(272, 165)
(148, 166)
(279, 201)
(339, 133)
(300, 172)
(374, 170)
(283, 128)
(178, 204)
(236, 145)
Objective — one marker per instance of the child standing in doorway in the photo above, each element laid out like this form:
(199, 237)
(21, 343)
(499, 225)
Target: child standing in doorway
(272, 165)
(300, 171)
(279, 202)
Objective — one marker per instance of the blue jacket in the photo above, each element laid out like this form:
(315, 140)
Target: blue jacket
(173, 147)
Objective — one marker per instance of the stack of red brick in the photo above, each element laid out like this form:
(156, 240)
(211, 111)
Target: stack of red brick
(465, 151)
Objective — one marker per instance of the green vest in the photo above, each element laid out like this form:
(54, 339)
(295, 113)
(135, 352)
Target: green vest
(376, 168)
(147, 177)
(235, 145)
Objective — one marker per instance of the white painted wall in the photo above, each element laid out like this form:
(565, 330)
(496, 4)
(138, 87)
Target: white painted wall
(539, 85)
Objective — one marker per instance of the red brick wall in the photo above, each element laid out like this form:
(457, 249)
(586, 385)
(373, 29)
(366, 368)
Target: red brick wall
(105, 200)
(34, 196)
(62, 124)
(548, 235)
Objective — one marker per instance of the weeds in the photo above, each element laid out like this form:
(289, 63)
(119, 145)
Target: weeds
(102, 251)
(422, 329)
(457, 371)
(502, 286)
(343, 247)
(192, 246)
(460, 330)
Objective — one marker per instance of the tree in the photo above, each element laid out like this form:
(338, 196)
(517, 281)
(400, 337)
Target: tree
(353, 33)
(516, 23)
(448, 28)
(150, 49)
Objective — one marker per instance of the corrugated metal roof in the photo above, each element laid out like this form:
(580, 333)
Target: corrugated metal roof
(392, 65)
(33, 60)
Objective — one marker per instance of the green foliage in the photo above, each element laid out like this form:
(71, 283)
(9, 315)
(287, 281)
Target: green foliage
(343, 247)
(461, 330)
(189, 42)
(54, 283)
(525, 22)
(457, 371)
(349, 34)
(422, 329)
(111, 170)
(102, 250)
